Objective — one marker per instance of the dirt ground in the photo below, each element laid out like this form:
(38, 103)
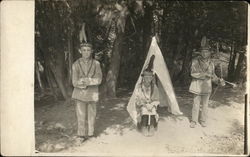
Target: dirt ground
(55, 126)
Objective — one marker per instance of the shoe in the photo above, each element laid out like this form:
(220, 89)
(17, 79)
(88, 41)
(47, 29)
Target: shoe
(203, 124)
(144, 131)
(151, 131)
(79, 140)
(91, 136)
(192, 124)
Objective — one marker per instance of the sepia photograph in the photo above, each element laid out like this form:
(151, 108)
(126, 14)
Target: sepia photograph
(140, 77)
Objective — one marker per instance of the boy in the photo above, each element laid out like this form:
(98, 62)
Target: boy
(86, 77)
(202, 72)
(147, 100)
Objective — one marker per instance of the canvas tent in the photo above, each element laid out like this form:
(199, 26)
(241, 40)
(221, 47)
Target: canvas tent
(166, 91)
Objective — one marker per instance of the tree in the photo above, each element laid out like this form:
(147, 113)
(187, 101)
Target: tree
(121, 33)
(58, 22)
(52, 25)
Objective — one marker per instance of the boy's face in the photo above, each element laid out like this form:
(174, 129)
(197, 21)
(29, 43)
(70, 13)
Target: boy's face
(147, 80)
(86, 52)
(205, 54)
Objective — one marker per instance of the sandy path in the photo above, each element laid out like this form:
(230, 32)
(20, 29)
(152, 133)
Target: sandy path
(173, 136)
(116, 135)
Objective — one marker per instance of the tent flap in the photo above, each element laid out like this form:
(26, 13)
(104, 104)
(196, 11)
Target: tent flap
(167, 95)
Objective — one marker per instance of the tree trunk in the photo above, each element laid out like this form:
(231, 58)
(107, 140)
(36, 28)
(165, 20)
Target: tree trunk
(239, 67)
(147, 28)
(231, 66)
(124, 65)
(58, 72)
(177, 48)
(70, 63)
(47, 69)
(70, 59)
(38, 76)
(185, 71)
(112, 75)
(49, 78)
(189, 44)
(231, 55)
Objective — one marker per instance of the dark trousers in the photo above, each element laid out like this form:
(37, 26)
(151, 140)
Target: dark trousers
(147, 128)
(145, 120)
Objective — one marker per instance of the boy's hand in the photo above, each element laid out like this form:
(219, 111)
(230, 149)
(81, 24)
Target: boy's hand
(149, 106)
(208, 75)
(155, 103)
(222, 82)
(80, 81)
(81, 84)
(85, 81)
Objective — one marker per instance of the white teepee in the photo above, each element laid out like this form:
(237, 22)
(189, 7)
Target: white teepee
(166, 91)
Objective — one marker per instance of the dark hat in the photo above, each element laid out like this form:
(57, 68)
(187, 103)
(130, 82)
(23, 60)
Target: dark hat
(148, 71)
(86, 45)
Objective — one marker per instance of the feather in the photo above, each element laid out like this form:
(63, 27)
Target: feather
(203, 41)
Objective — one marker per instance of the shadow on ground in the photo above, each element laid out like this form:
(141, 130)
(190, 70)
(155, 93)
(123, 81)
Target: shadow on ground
(112, 114)
(227, 96)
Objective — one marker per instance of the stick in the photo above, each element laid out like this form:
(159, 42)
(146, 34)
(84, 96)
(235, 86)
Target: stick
(233, 84)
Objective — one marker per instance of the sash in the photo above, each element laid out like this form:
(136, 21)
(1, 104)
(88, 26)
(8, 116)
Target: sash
(88, 71)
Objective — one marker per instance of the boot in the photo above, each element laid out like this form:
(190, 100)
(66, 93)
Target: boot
(144, 130)
(151, 131)
(203, 124)
(192, 124)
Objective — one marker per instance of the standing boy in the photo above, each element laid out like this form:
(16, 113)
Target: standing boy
(86, 77)
(202, 72)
